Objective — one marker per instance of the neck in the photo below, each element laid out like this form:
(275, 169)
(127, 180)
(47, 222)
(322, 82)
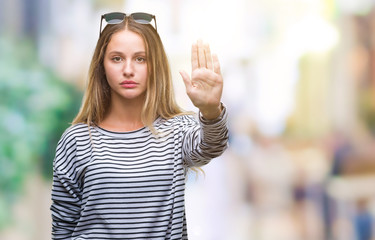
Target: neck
(123, 115)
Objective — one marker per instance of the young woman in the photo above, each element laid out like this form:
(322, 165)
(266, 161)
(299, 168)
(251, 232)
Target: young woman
(119, 170)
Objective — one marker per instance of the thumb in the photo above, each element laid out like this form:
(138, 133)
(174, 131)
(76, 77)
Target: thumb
(186, 79)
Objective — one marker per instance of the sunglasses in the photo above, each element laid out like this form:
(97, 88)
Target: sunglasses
(118, 17)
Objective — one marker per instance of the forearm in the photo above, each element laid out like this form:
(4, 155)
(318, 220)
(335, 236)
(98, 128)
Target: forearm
(209, 141)
(65, 207)
(214, 132)
(63, 220)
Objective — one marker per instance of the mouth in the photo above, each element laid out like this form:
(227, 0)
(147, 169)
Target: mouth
(128, 84)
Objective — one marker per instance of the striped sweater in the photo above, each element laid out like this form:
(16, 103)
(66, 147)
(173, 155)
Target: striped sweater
(129, 185)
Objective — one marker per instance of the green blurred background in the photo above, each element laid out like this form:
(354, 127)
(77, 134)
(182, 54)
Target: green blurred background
(299, 87)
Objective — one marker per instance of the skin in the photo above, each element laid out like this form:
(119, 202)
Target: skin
(125, 59)
(205, 86)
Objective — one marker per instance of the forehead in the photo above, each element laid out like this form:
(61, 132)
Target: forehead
(126, 40)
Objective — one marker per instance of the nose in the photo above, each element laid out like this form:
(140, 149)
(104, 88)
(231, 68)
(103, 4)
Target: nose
(128, 70)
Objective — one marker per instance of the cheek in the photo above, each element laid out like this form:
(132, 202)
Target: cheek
(105, 67)
(144, 71)
(110, 71)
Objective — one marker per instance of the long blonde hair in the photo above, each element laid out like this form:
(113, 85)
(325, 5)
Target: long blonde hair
(159, 100)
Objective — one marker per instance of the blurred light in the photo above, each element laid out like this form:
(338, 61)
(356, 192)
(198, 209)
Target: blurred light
(274, 98)
(355, 6)
(312, 34)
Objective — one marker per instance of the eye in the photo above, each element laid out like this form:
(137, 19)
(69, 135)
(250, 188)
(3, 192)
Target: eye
(140, 59)
(116, 59)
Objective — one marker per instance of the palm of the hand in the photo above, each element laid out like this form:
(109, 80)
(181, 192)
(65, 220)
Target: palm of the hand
(206, 84)
(206, 88)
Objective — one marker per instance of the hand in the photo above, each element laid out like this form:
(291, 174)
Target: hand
(206, 84)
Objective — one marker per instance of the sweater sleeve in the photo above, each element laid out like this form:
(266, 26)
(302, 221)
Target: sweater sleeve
(205, 141)
(66, 200)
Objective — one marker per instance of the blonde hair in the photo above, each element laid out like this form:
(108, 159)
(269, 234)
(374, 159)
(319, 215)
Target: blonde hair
(159, 100)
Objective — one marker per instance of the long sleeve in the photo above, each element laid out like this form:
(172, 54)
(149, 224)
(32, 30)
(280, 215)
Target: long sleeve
(66, 200)
(205, 141)
(129, 185)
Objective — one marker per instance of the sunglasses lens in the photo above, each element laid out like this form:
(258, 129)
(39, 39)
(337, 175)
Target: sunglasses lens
(118, 17)
(143, 18)
(114, 18)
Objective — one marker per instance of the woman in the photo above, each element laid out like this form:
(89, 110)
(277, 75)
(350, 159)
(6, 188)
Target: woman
(119, 170)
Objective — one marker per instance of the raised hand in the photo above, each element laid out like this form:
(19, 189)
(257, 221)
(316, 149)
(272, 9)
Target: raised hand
(205, 86)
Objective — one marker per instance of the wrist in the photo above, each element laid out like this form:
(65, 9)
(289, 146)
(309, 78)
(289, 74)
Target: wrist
(211, 113)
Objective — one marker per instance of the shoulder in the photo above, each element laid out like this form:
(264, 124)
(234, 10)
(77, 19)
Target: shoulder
(74, 131)
(67, 145)
(67, 149)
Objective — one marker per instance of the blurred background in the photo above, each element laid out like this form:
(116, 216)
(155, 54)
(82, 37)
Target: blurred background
(299, 87)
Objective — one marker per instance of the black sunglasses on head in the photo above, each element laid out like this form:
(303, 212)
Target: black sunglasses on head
(118, 17)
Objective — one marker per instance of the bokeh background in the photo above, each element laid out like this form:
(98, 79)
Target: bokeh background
(299, 87)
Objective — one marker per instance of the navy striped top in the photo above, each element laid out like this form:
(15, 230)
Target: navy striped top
(129, 185)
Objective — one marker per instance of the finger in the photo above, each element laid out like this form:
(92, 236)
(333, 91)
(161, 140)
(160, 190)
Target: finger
(194, 57)
(186, 79)
(216, 63)
(208, 56)
(201, 56)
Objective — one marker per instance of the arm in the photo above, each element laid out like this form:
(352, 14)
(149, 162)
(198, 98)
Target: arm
(66, 202)
(205, 141)
(204, 89)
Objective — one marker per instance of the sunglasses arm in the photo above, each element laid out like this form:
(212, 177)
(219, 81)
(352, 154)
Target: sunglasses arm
(156, 26)
(100, 29)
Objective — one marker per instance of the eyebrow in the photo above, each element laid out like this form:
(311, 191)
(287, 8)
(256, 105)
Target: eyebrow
(121, 53)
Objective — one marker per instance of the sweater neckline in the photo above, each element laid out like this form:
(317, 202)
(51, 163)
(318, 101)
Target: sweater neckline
(126, 134)
(116, 134)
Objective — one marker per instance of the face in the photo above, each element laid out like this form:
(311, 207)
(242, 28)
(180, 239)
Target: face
(125, 65)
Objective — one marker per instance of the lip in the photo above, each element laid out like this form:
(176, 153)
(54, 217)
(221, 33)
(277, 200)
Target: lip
(128, 84)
